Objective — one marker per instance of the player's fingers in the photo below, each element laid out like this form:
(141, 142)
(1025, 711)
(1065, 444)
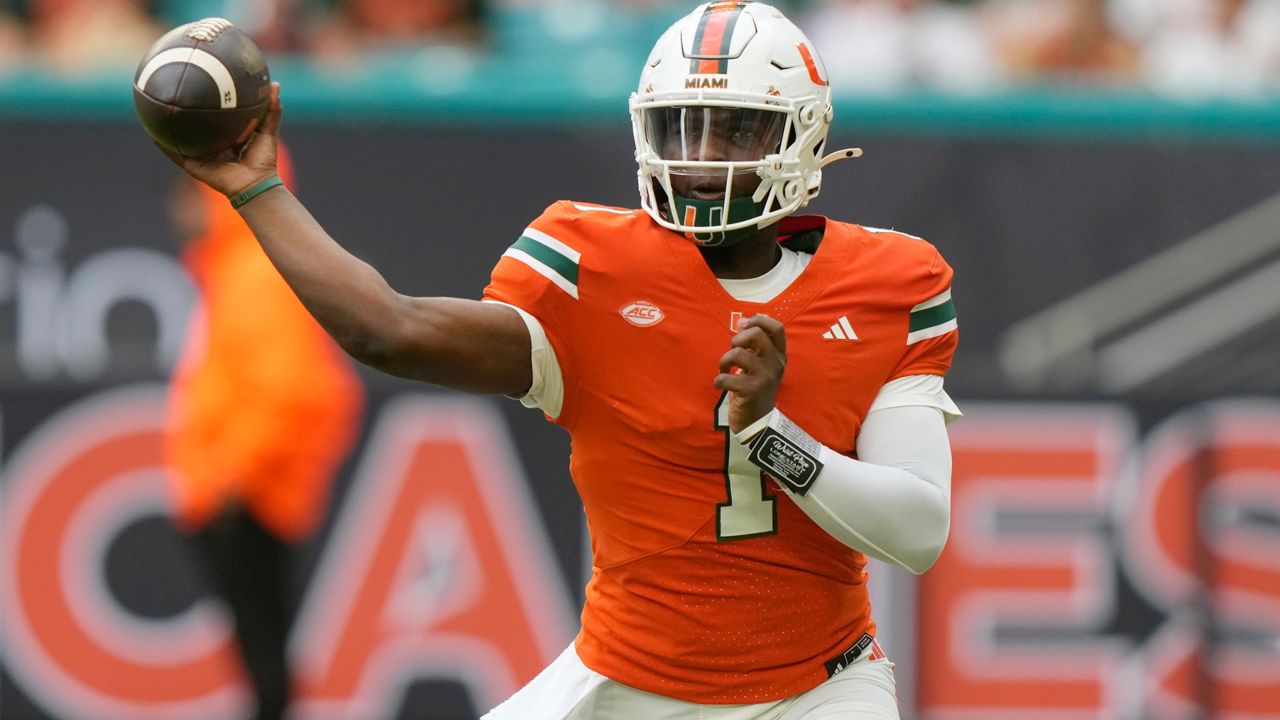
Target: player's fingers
(754, 339)
(271, 123)
(732, 383)
(740, 359)
(771, 327)
(774, 328)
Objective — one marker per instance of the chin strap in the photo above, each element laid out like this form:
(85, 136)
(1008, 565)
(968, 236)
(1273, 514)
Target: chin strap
(844, 154)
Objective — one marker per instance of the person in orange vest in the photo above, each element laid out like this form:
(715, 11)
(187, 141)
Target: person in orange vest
(263, 409)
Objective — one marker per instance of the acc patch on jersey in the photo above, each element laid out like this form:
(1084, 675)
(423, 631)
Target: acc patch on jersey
(642, 313)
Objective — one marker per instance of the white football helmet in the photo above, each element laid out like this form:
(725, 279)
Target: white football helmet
(730, 119)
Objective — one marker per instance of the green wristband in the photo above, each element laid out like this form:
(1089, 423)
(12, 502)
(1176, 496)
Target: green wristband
(238, 201)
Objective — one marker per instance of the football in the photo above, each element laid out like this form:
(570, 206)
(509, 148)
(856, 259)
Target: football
(202, 88)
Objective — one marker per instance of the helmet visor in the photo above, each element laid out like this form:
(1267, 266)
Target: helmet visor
(712, 134)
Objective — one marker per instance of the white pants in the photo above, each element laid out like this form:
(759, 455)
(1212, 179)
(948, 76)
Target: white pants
(568, 690)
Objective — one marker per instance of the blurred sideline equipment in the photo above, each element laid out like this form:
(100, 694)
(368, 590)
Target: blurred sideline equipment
(263, 408)
(202, 88)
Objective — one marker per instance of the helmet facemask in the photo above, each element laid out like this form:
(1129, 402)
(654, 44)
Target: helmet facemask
(720, 171)
(730, 120)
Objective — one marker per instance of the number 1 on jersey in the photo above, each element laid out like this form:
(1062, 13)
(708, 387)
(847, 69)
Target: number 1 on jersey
(749, 512)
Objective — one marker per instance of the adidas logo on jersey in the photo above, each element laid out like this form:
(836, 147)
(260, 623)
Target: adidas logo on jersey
(841, 330)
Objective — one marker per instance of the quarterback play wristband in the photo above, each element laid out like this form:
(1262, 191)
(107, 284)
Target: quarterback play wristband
(238, 201)
(786, 452)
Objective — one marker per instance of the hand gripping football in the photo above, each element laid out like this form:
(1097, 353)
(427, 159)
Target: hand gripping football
(202, 88)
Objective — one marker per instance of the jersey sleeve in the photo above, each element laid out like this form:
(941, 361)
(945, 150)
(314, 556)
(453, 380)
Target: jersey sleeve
(932, 330)
(917, 391)
(546, 392)
(538, 275)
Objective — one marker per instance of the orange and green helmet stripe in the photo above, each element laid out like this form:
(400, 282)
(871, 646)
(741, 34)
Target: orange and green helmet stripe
(711, 41)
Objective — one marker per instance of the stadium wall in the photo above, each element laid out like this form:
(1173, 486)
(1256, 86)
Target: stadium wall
(1116, 513)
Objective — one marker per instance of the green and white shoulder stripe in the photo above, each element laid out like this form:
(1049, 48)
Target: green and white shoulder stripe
(931, 318)
(549, 258)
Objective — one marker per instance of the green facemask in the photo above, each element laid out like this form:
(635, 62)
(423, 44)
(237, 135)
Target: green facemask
(707, 213)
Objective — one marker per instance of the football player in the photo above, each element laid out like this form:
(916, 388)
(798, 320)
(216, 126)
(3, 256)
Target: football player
(755, 398)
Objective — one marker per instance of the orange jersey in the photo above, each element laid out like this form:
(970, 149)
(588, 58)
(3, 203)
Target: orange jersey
(710, 585)
(263, 405)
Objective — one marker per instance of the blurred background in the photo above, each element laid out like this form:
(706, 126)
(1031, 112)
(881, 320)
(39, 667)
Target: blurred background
(1103, 174)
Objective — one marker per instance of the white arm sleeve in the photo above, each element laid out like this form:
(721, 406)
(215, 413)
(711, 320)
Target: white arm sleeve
(895, 503)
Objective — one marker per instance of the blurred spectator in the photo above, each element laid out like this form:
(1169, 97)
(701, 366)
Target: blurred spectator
(263, 409)
(882, 46)
(1182, 48)
(1208, 48)
(352, 27)
(13, 40)
(84, 36)
(1065, 41)
(273, 24)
